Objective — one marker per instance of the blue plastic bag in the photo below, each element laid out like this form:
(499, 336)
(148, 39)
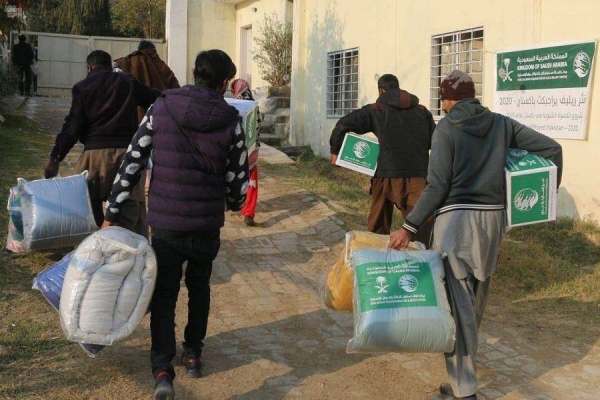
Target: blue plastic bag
(49, 282)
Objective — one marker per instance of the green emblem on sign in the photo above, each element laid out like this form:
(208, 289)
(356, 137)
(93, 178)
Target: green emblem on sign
(555, 67)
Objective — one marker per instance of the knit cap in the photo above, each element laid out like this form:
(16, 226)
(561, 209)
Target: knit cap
(457, 86)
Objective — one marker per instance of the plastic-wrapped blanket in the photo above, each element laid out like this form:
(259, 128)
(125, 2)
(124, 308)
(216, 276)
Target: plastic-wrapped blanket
(14, 238)
(337, 287)
(400, 303)
(107, 287)
(56, 212)
(49, 282)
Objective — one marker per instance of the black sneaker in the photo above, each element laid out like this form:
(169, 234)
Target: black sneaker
(448, 394)
(193, 365)
(163, 388)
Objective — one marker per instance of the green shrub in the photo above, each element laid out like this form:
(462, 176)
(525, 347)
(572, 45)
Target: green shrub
(274, 51)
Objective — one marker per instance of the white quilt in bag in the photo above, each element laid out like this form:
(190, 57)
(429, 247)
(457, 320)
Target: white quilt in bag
(107, 287)
(400, 303)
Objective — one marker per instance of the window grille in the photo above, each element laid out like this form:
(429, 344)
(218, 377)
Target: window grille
(342, 82)
(462, 50)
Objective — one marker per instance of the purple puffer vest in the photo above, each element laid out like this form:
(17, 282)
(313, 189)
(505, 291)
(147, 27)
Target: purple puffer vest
(187, 191)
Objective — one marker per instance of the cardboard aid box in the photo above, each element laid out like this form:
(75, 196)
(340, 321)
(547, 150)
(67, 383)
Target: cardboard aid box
(359, 153)
(248, 110)
(530, 188)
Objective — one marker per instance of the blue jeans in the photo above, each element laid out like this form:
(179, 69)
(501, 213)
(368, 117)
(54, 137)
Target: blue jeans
(172, 249)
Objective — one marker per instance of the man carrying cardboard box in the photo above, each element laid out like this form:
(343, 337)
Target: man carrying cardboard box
(466, 191)
(403, 128)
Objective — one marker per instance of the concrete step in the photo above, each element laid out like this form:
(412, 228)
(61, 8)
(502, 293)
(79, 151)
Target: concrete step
(275, 118)
(272, 104)
(271, 139)
(273, 92)
(266, 127)
(282, 129)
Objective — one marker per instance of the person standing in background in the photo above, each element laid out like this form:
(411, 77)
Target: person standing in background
(22, 58)
(240, 89)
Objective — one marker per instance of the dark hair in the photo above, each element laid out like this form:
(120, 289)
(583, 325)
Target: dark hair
(388, 81)
(22, 38)
(99, 58)
(212, 67)
(145, 45)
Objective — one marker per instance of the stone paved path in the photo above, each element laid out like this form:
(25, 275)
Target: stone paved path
(270, 338)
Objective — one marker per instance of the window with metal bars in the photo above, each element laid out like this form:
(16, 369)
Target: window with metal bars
(462, 50)
(342, 82)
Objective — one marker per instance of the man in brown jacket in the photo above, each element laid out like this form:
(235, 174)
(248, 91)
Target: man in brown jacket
(147, 67)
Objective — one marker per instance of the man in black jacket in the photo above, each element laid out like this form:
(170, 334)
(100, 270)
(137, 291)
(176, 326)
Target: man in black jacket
(103, 117)
(22, 58)
(403, 128)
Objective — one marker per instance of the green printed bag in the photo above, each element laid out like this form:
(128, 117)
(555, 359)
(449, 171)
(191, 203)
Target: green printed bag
(400, 303)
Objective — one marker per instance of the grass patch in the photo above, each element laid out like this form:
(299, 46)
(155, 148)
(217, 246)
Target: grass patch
(29, 326)
(553, 267)
(24, 149)
(340, 186)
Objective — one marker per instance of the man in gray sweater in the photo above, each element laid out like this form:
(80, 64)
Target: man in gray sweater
(466, 193)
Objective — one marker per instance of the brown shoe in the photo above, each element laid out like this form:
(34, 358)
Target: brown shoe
(249, 221)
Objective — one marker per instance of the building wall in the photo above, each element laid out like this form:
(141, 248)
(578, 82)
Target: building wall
(252, 13)
(196, 25)
(394, 36)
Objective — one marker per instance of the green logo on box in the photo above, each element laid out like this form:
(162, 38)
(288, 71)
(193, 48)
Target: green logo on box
(530, 197)
(394, 285)
(360, 152)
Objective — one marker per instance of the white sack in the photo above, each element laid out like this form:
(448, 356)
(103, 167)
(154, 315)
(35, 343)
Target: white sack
(400, 303)
(107, 287)
(56, 212)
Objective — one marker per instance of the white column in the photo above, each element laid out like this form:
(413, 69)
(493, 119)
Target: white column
(295, 136)
(176, 32)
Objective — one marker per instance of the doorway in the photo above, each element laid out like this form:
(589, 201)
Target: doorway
(246, 54)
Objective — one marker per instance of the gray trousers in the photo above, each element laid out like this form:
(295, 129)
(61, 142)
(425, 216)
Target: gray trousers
(468, 298)
(471, 240)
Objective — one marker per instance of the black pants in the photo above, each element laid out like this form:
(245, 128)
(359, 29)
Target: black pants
(172, 249)
(24, 75)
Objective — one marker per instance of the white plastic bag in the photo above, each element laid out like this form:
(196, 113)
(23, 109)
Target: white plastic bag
(400, 303)
(35, 68)
(14, 238)
(49, 282)
(107, 287)
(56, 212)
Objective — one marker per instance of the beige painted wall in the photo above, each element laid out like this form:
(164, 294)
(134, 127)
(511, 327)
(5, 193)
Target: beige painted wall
(394, 36)
(211, 25)
(326, 26)
(196, 25)
(246, 16)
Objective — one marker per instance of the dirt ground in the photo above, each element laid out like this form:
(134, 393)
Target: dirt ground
(271, 338)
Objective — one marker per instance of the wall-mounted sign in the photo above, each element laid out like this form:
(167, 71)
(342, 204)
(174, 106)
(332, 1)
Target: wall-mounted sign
(547, 88)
